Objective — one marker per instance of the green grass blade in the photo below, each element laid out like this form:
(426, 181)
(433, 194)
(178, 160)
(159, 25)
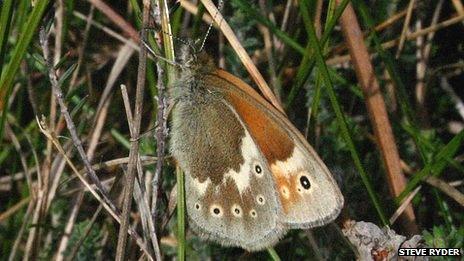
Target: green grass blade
(252, 13)
(436, 166)
(180, 215)
(25, 38)
(273, 254)
(307, 63)
(341, 121)
(5, 20)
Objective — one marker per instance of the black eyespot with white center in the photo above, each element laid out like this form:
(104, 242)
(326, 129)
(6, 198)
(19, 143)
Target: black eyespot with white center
(260, 199)
(197, 206)
(258, 170)
(217, 211)
(304, 181)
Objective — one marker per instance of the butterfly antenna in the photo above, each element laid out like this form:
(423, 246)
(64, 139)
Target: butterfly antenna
(220, 5)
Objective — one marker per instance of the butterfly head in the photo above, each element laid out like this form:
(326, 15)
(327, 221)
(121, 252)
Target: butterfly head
(194, 60)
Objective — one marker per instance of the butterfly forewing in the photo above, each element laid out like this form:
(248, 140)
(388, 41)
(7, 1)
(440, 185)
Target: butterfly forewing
(230, 192)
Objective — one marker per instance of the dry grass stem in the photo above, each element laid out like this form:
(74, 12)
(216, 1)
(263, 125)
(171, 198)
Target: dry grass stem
(107, 204)
(117, 19)
(134, 149)
(405, 29)
(376, 108)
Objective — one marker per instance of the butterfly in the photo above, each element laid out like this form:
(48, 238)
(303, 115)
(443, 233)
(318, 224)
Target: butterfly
(250, 175)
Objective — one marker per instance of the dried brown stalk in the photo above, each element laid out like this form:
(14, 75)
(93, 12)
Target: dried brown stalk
(376, 108)
(406, 24)
(458, 6)
(117, 19)
(134, 149)
(423, 53)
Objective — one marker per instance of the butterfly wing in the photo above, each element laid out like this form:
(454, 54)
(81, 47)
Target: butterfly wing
(308, 194)
(230, 194)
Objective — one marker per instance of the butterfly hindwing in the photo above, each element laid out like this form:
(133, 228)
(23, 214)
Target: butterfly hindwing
(308, 194)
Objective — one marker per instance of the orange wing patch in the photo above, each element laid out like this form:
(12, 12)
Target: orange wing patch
(272, 140)
(287, 187)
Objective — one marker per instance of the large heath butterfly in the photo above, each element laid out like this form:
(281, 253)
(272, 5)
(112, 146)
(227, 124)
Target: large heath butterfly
(249, 173)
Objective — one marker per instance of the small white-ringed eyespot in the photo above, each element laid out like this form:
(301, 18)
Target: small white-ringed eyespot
(216, 211)
(258, 170)
(236, 210)
(253, 213)
(197, 206)
(260, 199)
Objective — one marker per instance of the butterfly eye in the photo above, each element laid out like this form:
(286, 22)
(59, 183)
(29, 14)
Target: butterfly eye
(260, 199)
(258, 169)
(304, 181)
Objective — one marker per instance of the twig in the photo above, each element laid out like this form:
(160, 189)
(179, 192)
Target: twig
(404, 31)
(64, 111)
(69, 227)
(376, 107)
(161, 133)
(458, 6)
(458, 104)
(193, 9)
(22, 157)
(411, 36)
(269, 50)
(81, 49)
(124, 55)
(406, 202)
(134, 150)
(108, 31)
(20, 233)
(447, 188)
(288, 7)
(117, 19)
(108, 205)
(87, 230)
(141, 195)
(10, 211)
(76, 141)
(423, 55)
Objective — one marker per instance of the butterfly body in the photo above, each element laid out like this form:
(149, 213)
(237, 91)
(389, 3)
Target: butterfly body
(249, 177)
